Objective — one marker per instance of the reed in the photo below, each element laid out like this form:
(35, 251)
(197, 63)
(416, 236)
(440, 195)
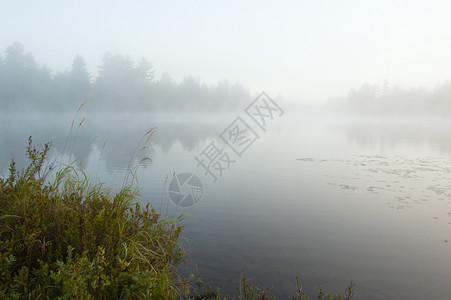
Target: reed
(70, 238)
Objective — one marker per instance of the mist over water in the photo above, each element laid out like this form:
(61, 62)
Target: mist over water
(345, 171)
(328, 200)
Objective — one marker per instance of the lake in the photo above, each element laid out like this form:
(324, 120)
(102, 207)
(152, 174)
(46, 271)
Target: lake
(327, 199)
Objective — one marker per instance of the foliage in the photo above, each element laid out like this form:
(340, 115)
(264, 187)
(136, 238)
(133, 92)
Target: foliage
(392, 100)
(247, 291)
(72, 239)
(122, 85)
(348, 294)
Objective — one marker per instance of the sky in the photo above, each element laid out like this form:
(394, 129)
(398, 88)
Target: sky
(304, 51)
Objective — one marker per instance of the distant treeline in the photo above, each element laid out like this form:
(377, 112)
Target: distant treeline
(394, 100)
(121, 85)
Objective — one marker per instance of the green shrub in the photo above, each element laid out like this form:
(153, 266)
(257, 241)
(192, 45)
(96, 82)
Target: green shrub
(72, 239)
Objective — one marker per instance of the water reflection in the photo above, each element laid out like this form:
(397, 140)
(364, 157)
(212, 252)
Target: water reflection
(115, 139)
(389, 134)
(338, 213)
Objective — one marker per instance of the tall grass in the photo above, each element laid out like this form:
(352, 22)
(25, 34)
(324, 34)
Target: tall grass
(71, 238)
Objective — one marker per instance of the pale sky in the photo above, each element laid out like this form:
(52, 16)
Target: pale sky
(302, 50)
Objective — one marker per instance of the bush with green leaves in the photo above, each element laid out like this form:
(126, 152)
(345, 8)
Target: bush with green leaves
(72, 239)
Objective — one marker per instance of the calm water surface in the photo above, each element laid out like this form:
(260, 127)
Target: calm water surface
(329, 201)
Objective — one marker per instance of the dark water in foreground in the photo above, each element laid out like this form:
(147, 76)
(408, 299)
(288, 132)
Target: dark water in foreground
(329, 201)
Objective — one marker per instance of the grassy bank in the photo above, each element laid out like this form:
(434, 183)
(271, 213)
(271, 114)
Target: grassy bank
(71, 239)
